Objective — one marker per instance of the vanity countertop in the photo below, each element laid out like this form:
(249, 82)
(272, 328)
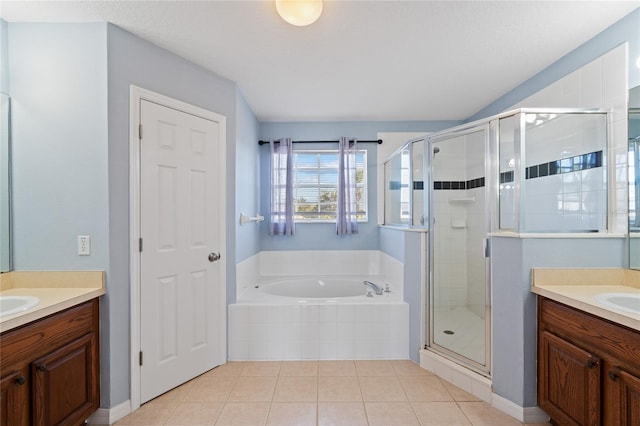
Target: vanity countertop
(57, 290)
(578, 287)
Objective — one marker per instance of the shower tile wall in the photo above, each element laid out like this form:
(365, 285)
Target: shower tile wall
(449, 165)
(601, 83)
(476, 227)
(565, 185)
(507, 218)
(459, 216)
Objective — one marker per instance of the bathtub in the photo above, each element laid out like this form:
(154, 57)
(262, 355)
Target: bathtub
(325, 288)
(317, 290)
(319, 315)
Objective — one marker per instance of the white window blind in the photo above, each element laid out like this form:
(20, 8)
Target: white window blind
(315, 185)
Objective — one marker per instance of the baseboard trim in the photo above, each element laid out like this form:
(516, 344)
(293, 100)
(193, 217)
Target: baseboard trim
(108, 416)
(523, 414)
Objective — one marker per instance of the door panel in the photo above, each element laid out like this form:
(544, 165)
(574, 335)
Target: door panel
(180, 226)
(459, 303)
(569, 379)
(65, 388)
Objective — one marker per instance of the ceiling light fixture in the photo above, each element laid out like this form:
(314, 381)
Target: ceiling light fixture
(299, 12)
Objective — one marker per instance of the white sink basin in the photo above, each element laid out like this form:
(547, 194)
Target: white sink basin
(627, 302)
(10, 305)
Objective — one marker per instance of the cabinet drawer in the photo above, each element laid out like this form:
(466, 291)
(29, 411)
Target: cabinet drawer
(36, 339)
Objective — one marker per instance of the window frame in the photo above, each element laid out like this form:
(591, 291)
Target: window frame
(319, 185)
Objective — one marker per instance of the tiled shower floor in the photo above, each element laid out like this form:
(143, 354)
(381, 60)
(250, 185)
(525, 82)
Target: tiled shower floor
(469, 332)
(346, 393)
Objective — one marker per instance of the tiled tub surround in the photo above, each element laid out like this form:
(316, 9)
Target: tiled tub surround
(264, 326)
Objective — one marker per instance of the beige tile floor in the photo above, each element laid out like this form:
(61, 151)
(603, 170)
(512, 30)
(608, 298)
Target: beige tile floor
(324, 393)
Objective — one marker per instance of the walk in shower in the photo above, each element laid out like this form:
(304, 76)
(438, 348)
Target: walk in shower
(460, 308)
(526, 171)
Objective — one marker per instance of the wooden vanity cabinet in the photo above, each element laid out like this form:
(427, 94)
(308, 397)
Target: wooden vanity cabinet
(588, 368)
(50, 369)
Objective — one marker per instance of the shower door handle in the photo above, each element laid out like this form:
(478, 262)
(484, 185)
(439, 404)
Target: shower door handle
(486, 247)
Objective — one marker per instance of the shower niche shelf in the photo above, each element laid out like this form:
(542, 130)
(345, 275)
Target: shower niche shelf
(462, 200)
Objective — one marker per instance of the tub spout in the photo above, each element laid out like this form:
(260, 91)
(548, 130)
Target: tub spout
(375, 287)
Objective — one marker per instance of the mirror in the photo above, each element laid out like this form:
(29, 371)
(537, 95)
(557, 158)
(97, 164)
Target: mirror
(5, 163)
(634, 178)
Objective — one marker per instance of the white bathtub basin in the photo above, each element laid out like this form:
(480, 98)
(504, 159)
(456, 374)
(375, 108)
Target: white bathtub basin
(627, 302)
(10, 305)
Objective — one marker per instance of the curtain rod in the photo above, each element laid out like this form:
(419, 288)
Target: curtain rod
(378, 141)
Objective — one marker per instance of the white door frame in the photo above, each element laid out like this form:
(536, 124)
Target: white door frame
(137, 94)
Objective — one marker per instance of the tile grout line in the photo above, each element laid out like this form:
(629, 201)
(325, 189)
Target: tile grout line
(364, 406)
(454, 399)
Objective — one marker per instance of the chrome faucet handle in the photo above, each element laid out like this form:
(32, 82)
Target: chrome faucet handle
(386, 288)
(369, 292)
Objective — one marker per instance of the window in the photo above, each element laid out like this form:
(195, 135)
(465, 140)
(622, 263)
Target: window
(315, 185)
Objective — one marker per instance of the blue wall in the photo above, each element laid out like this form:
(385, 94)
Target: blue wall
(247, 180)
(514, 306)
(413, 273)
(132, 60)
(323, 236)
(58, 84)
(58, 78)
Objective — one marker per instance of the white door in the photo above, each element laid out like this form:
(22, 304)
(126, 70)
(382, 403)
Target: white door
(180, 286)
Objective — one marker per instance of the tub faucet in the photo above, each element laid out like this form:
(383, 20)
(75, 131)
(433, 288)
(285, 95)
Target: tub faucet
(375, 287)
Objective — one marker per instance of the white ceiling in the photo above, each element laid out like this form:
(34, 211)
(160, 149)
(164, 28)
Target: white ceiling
(362, 60)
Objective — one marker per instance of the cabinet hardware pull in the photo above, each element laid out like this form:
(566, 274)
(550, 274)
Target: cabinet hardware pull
(42, 368)
(21, 380)
(613, 376)
(591, 363)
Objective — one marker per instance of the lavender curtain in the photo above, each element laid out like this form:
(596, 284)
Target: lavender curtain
(281, 220)
(346, 220)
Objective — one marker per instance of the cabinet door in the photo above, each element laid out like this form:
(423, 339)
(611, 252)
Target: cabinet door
(13, 399)
(65, 385)
(568, 381)
(624, 401)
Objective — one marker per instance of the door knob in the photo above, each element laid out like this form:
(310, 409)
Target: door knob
(214, 256)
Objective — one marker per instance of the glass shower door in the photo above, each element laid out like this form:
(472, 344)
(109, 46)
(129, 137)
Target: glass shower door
(459, 296)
